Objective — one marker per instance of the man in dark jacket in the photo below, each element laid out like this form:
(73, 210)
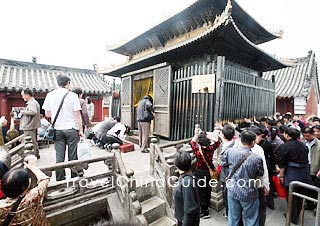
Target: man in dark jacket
(145, 115)
(30, 120)
(293, 163)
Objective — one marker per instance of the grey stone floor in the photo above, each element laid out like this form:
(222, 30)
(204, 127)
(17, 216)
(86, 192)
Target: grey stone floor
(139, 162)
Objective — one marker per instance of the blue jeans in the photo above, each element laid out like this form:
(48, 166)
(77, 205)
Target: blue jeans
(63, 139)
(250, 209)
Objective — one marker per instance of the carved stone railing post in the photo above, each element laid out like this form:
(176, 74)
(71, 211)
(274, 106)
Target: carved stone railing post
(127, 182)
(154, 142)
(169, 172)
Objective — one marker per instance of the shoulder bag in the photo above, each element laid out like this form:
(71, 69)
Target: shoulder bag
(50, 133)
(213, 173)
(238, 165)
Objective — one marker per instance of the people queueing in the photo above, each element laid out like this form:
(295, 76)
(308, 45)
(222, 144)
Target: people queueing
(264, 185)
(203, 149)
(84, 111)
(244, 165)
(313, 145)
(23, 202)
(294, 166)
(145, 115)
(186, 194)
(270, 160)
(30, 118)
(316, 130)
(68, 123)
(228, 134)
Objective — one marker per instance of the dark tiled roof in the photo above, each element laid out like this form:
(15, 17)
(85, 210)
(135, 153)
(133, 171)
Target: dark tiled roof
(197, 14)
(225, 26)
(17, 75)
(296, 81)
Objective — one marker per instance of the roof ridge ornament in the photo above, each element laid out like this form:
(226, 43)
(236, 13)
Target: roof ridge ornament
(225, 15)
(276, 32)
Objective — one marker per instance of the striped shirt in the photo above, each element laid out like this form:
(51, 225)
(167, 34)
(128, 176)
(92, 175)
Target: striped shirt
(240, 185)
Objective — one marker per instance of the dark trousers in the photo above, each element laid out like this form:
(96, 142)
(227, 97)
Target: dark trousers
(194, 220)
(63, 139)
(203, 178)
(296, 204)
(33, 135)
(262, 207)
(225, 196)
(270, 197)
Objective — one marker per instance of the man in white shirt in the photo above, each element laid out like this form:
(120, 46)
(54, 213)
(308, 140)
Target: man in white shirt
(68, 124)
(118, 130)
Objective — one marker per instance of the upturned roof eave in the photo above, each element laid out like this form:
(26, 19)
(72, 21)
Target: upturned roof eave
(268, 35)
(224, 21)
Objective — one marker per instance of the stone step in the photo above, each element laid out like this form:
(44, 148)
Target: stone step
(153, 209)
(146, 191)
(164, 221)
(115, 207)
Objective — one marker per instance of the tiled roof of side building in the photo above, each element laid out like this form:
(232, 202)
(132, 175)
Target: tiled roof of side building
(18, 75)
(297, 80)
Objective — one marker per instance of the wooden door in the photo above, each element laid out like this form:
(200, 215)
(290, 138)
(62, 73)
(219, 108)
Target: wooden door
(162, 100)
(126, 101)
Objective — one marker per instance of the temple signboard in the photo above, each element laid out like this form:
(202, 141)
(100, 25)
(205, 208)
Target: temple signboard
(203, 83)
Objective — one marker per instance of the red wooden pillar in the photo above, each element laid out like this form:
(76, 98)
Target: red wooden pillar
(3, 105)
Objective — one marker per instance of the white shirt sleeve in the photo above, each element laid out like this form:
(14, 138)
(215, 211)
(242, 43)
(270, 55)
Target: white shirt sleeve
(265, 178)
(46, 103)
(76, 102)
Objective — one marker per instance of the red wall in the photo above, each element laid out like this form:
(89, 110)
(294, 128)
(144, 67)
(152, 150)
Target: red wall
(14, 99)
(97, 101)
(312, 105)
(285, 105)
(105, 112)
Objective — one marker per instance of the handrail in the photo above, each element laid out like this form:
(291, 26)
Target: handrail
(294, 184)
(120, 164)
(73, 163)
(167, 162)
(174, 143)
(128, 185)
(12, 142)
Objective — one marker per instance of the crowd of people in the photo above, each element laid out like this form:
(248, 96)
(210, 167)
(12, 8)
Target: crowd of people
(22, 202)
(284, 147)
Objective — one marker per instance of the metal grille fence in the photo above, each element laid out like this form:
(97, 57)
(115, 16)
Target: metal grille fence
(246, 95)
(190, 108)
(242, 95)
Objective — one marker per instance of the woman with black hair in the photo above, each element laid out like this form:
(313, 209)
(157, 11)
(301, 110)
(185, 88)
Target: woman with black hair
(203, 148)
(22, 201)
